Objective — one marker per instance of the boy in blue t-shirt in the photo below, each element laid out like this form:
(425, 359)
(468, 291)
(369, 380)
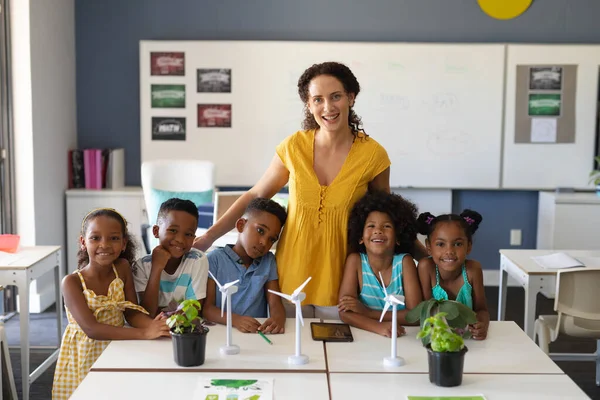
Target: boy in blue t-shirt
(250, 261)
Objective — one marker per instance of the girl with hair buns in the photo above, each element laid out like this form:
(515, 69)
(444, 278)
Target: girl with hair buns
(447, 274)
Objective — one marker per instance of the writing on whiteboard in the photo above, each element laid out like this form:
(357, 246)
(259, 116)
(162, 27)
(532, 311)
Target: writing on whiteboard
(443, 102)
(396, 66)
(397, 100)
(449, 142)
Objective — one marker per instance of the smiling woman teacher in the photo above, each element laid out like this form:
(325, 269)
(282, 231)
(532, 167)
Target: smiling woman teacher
(329, 165)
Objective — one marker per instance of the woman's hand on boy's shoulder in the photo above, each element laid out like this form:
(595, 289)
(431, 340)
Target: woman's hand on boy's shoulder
(202, 243)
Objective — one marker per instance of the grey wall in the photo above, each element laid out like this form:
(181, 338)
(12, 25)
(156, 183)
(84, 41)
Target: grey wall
(107, 47)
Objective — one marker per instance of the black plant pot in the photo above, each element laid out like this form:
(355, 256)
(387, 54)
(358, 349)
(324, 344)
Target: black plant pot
(189, 349)
(446, 368)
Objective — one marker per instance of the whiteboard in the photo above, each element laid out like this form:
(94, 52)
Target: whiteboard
(436, 108)
(552, 165)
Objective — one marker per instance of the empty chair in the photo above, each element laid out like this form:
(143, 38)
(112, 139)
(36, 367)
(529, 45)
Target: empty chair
(192, 180)
(578, 311)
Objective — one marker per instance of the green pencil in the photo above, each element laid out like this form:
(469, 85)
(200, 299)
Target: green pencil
(264, 337)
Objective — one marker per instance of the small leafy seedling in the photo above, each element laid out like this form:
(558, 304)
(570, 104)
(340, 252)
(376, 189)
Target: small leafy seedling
(441, 337)
(457, 316)
(186, 318)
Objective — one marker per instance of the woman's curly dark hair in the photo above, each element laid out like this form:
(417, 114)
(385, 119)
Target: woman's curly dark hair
(402, 212)
(348, 80)
(469, 220)
(130, 249)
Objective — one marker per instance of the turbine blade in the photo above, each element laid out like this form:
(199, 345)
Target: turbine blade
(398, 299)
(285, 296)
(299, 313)
(383, 284)
(223, 300)
(385, 308)
(299, 288)
(225, 286)
(215, 279)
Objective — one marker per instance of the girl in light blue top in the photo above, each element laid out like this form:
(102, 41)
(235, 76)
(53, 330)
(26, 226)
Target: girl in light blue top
(382, 231)
(447, 274)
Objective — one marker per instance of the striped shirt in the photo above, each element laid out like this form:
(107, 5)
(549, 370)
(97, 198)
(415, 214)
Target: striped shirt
(187, 282)
(371, 293)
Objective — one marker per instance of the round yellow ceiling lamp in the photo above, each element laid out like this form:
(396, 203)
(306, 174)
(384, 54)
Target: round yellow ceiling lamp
(504, 9)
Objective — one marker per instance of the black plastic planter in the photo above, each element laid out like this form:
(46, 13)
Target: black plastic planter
(446, 368)
(189, 349)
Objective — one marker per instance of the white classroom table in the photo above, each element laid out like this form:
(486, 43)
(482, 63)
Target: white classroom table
(182, 385)
(20, 269)
(532, 277)
(255, 353)
(492, 387)
(506, 350)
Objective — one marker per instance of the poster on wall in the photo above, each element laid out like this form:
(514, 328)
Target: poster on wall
(543, 130)
(212, 80)
(167, 63)
(168, 128)
(214, 115)
(544, 104)
(168, 96)
(545, 78)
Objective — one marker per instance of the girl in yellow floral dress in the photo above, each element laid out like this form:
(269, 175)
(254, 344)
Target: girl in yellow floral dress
(98, 298)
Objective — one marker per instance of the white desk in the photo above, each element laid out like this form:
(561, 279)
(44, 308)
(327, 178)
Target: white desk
(532, 277)
(181, 385)
(493, 387)
(28, 264)
(507, 350)
(255, 354)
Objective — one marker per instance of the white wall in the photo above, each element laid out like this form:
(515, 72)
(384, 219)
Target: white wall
(43, 38)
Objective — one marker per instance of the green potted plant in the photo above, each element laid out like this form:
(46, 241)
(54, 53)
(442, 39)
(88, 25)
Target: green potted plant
(457, 315)
(445, 351)
(189, 332)
(444, 326)
(595, 176)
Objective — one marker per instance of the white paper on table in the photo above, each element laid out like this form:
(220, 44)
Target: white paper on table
(592, 262)
(557, 261)
(543, 130)
(253, 389)
(8, 258)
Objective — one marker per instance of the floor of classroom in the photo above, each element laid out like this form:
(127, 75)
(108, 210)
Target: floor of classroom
(43, 334)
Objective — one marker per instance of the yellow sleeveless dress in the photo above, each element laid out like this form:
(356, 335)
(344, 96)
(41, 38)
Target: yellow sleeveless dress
(314, 238)
(78, 352)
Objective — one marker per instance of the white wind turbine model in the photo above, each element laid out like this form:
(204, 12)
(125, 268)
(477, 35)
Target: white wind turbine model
(226, 291)
(297, 297)
(392, 300)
